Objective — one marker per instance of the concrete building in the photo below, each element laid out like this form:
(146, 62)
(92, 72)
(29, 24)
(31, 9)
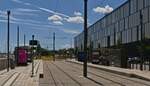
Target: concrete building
(128, 25)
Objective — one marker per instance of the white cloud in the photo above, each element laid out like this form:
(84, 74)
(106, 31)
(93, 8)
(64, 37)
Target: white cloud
(27, 4)
(77, 13)
(58, 22)
(38, 25)
(17, 1)
(75, 19)
(17, 13)
(45, 9)
(40, 8)
(28, 22)
(26, 10)
(70, 31)
(53, 12)
(103, 10)
(55, 18)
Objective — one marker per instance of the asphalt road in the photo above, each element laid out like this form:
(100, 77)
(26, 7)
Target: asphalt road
(61, 73)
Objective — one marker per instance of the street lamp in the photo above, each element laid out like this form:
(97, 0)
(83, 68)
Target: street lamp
(8, 33)
(54, 46)
(32, 56)
(85, 38)
(24, 40)
(17, 45)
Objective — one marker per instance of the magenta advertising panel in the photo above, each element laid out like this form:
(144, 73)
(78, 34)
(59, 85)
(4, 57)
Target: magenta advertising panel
(22, 56)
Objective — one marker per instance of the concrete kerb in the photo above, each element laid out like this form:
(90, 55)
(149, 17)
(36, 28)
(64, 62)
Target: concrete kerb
(113, 71)
(41, 73)
(38, 71)
(36, 68)
(124, 73)
(140, 77)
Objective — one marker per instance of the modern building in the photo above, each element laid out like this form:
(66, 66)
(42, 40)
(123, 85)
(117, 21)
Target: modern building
(127, 25)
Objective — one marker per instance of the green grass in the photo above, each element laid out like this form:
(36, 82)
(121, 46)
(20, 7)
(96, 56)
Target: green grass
(47, 58)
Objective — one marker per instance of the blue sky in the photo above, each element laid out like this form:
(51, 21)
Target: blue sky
(43, 17)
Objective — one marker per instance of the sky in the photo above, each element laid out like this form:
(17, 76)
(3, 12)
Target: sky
(44, 17)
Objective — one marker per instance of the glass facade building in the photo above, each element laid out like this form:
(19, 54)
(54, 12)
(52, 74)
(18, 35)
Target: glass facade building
(128, 23)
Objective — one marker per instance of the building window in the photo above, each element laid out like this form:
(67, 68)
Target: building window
(116, 27)
(129, 36)
(133, 6)
(134, 34)
(139, 32)
(146, 3)
(126, 23)
(121, 25)
(147, 30)
(145, 15)
(126, 10)
(140, 4)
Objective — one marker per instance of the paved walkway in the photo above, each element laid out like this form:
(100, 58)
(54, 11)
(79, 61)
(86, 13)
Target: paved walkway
(127, 72)
(21, 76)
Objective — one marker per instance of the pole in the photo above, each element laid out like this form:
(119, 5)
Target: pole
(71, 42)
(54, 46)
(8, 38)
(85, 39)
(17, 44)
(32, 56)
(142, 37)
(24, 40)
(71, 51)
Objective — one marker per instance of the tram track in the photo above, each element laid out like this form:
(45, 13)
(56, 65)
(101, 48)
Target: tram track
(120, 84)
(107, 73)
(50, 73)
(68, 75)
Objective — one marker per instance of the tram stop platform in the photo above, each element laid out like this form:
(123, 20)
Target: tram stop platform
(145, 75)
(22, 75)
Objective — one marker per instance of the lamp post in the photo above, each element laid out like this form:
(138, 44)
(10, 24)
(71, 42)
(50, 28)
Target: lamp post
(85, 38)
(24, 40)
(32, 56)
(142, 38)
(8, 37)
(54, 46)
(17, 45)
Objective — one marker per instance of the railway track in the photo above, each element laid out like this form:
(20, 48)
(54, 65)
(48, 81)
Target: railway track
(67, 74)
(76, 68)
(50, 73)
(60, 70)
(106, 74)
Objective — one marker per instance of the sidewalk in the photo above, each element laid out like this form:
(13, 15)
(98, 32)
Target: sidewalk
(21, 75)
(145, 75)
